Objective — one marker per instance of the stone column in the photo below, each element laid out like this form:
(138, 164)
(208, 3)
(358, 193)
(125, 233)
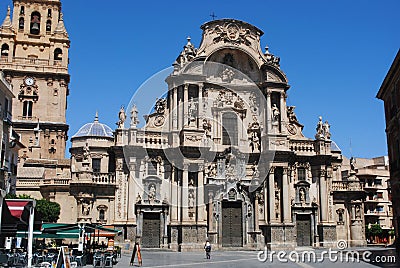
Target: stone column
(285, 196)
(271, 196)
(175, 109)
(200, 108)
(283, 112)
(185, 193)
(200, 195)
(323, 196)
(185, 104)
(269, 113)
(132, 190)
(256, 209)
(174, 196)
(210, 212)
(179, 108)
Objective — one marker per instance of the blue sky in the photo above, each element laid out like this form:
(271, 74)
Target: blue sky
(334, 53)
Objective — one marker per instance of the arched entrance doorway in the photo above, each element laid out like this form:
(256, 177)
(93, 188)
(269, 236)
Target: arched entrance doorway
(232, 224)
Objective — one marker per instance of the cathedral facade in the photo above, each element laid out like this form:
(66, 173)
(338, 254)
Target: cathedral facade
(221, 155)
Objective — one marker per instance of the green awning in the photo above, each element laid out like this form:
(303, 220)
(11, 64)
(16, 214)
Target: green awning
(67, 230)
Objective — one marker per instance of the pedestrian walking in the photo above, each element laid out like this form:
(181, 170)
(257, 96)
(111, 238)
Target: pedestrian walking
(207, 248)
(134, 253)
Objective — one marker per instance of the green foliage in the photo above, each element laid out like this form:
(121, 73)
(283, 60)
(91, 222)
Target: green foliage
(391, 232)
(21, 196)
(375, 230)
(49, 211)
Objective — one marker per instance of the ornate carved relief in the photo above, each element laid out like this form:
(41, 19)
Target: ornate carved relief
(232, 33)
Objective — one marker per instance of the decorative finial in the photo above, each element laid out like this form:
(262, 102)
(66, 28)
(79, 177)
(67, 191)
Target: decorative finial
(7, 21)
(266, 49)
(96, 118)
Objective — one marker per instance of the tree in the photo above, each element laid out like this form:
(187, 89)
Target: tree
(49, 211)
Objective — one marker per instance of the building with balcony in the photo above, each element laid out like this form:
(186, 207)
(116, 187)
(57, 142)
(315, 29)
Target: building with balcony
(374, 175)
(389, 92)
(9, 142)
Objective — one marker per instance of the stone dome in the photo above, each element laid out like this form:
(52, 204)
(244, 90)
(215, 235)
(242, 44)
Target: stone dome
(95, 129)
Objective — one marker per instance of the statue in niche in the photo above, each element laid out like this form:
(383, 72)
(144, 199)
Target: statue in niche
(207, 128)
(326, 130)
(134, 116)
(302, 196)
(85, 208)
(255, 142)
(192, 110)
(256, 173)
(277, 200)
(275, 113)
(152, 193)
(230, 172)
(254, 131)
(191, 198)
(121, 117)
(86, 152)
(358, 212)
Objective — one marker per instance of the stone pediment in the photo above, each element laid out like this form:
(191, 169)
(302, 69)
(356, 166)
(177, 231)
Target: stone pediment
(231, 33)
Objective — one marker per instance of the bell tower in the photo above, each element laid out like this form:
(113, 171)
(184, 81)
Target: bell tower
(34, 57)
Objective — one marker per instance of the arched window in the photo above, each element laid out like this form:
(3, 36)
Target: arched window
(35, 23)
(48, 26)
(52, 142)
(22, 10)
(229, 129)
(21, 23)
(49, 13)
(58, 54)
(102, 214)
(5, 50)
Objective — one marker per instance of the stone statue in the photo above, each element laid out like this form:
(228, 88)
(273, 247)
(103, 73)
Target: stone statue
(192, 109)
(227, 75)
(302, 196)
(86, 152)
(320, 129)
(207, 128)
(255, 142)
(358, 212)
(85, 208)
(134, 116)
(291, 114)
(352, 164)
(138, 199)
(277, 200)
(191, 199)
(275, 113)
(326, 130)
(256, 173)
(152, 193)
(160, 105)
(121, 117)
(211, 170)
(254, 131)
